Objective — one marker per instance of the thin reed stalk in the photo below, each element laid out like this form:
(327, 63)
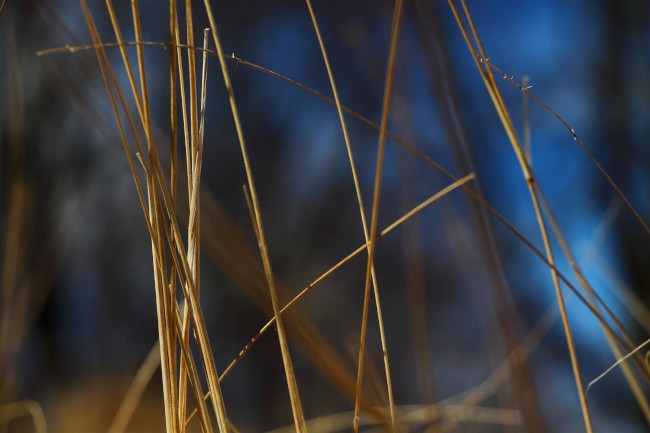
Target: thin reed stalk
(388, 86)
(355, 177)
(183, 220)
(296, 405)
(490, 84)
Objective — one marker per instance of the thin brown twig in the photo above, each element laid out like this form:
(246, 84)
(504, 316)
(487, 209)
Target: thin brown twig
(579, 140)
(296, 405)
(160, 269)
(618, 362)
(473, 194)
(136, 389)
(193, 183)
(30, 408)
(509, 78)
(175, 241)
(595, 299)
(388, 87)
(106, 68)
(373, 275)
(234, 59)
(495, 95)
(457, 184)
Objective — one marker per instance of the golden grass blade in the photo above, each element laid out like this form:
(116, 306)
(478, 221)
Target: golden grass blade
(238, 61)
(631, 379)
(353, 254)
(242, 266)
(126, 60)
(176, 68)
(191, 372)
(185, 350)
(143, 377)
(374, 382)
(193, 149)
(73, 49)
(596, 300)
(144, 88)
(256, 222)
(161, 286)
(473, 397)
(106, 69)
(173, 98)
(395, 32)
(163, 301)
(173, 119)
(416, 416)
(194, 229)
(163, 295)
(473, 194)
(296, 405)
(549, 264)
(584, 147)
(2, 6)
(522, 87)
(191, 62)
(18, 409)
(204, 85)
(135, 391)
(204, 344)
(189, 290)
(459, 183)
(617, 363)
(490, 84)
(527, 142)
(181, 83)
(355, 178)
(591, 294)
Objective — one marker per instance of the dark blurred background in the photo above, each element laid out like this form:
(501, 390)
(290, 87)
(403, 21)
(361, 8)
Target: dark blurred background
(78, 307)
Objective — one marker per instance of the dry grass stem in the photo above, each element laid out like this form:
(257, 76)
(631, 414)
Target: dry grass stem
(296, 405)
(22, 408)
(395, 32)
(473, 194)
(136, 390)
(180, 195)
(493, 90)
(364, 224)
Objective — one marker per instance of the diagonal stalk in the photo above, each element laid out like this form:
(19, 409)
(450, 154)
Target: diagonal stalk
(339, 107)
(296, 405)
(457, 184)
(397, 15)
(495, 95)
